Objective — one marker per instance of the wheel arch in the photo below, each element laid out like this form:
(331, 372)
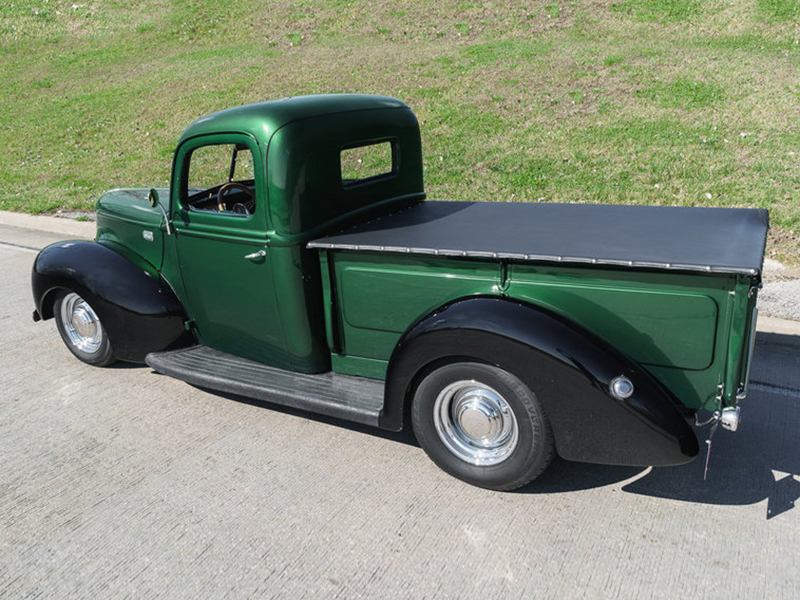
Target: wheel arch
(568, 368)
(46, 303)
(137, 307)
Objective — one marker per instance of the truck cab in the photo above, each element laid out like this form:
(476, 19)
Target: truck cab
(295, 259)
(247, 279)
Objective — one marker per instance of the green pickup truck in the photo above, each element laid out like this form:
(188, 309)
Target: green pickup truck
(294, 259)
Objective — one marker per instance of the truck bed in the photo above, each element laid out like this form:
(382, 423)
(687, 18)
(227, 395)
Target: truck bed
(715, 240)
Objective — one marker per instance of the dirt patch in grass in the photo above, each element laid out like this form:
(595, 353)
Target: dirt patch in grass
(784, 245)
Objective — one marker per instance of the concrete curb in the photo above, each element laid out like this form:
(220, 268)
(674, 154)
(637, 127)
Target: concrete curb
(779, 326)
(67, 227)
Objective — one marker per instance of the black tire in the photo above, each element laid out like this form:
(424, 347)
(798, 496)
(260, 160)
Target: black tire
(463, 427)
(81, 330)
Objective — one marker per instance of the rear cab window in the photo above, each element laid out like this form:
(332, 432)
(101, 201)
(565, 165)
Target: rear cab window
(367, 163)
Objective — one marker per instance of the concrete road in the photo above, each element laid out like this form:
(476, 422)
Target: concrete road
(121, 483)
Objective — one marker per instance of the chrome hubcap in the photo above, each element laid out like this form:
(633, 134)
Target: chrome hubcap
(475, 423)
(81, 324)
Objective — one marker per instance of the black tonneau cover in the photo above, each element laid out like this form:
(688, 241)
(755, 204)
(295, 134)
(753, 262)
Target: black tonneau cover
(715, 240)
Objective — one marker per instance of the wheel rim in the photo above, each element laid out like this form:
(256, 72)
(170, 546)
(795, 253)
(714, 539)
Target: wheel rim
(475, 423)
(81, 324)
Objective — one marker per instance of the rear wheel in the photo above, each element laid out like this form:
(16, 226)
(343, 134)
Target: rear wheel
(483, 425)
(81, 330)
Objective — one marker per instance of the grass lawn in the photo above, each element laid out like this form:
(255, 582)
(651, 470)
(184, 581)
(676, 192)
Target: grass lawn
(674, 102)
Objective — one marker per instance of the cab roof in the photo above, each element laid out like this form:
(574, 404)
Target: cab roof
(262, 119)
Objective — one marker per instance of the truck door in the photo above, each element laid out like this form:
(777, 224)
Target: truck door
(220, 219)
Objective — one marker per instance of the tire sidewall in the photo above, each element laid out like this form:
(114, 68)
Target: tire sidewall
(104, 354)
(534, 449)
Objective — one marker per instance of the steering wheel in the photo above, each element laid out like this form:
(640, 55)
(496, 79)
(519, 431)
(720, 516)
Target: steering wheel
(231, 185)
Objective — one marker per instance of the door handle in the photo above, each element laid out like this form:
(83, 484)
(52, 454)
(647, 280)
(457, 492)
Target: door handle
(254, 255)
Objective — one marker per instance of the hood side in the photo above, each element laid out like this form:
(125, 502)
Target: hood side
(125, 217)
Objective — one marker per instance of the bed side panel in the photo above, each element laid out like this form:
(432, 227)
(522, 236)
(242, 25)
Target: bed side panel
(375, 298)
(667, 322)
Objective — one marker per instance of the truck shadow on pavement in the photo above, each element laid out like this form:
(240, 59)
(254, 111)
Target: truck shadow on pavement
(406, 436)
(761, 461)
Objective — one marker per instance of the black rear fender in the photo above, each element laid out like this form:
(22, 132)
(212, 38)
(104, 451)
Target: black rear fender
(568, 368)
(138, 309)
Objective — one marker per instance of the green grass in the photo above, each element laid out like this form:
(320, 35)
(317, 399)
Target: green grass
(660, 10)
(684, 93)
(780, 10)
(673, 102)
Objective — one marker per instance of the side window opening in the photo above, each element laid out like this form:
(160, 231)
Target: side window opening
(221, 178)
(367, 162)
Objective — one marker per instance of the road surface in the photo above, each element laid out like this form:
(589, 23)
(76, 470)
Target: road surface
(121, 483)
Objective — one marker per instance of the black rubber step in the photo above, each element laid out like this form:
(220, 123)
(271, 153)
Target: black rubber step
(342, 396)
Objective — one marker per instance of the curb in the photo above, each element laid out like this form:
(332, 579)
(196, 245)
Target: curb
(69, 227)
(782, 327)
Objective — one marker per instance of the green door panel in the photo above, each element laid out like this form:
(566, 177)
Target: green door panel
(229, 290)
(231, 298)
(378, 302)
(653, 328)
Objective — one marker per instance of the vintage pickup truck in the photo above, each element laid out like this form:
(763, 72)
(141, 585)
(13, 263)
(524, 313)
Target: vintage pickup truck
(294, 259)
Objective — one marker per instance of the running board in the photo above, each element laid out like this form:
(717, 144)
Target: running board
(341, 396)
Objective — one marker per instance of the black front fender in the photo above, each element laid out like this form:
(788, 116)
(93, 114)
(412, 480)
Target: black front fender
(138, 309)
(568, 368)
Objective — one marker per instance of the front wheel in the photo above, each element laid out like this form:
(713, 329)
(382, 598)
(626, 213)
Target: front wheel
(483, 425)
(81, 330)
